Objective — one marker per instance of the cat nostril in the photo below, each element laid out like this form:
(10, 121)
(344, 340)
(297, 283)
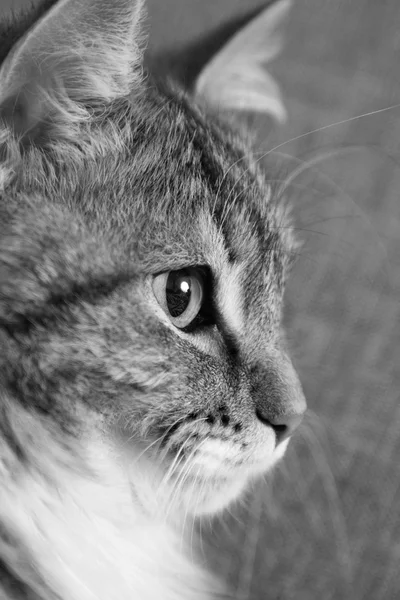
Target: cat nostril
(283, 425)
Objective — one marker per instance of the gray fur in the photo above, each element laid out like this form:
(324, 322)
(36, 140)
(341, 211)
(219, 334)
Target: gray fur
(145, 182)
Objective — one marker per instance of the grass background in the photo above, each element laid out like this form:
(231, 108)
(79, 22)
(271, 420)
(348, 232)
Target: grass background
(327, 525)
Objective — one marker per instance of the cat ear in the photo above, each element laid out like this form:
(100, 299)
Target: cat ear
(81, 54)
(236, 78)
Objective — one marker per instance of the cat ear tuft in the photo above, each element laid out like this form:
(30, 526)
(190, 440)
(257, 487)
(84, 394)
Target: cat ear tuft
(236, 77)
(81, 54)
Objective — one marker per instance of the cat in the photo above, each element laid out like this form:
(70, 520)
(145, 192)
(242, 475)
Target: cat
(144, 378)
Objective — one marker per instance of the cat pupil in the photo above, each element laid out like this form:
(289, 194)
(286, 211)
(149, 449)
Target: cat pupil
(178, 292)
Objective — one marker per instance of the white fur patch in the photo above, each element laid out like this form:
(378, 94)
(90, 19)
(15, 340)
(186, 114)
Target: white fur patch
(219, 481)
(91, 541)
(230, 298)
(214, 454)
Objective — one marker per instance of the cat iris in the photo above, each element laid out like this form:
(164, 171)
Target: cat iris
(185, 295)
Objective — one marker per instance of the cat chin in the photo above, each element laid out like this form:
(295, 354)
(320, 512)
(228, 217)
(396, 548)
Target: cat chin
(210, 496)
(217, 483)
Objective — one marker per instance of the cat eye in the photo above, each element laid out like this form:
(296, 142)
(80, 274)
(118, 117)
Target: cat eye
(184, 295)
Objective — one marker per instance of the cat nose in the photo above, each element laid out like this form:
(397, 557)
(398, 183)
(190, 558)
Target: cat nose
(279, 398)
(283, 425)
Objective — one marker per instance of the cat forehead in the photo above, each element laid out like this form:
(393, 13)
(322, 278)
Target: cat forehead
(202, 185)
(214, 207)
(174, 182)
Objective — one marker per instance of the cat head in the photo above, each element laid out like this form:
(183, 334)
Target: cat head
(143, 255)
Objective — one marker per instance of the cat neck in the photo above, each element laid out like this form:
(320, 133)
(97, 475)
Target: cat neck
(94, 533)
(151, 489)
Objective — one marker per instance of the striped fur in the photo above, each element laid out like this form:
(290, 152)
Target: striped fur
(114, 424)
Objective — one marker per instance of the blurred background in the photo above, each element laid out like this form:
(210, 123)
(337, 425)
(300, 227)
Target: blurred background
(327, 524)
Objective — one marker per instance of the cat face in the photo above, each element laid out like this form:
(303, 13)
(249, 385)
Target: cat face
(144, 258)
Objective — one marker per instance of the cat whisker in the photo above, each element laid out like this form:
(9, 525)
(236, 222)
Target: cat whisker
(172, 467)
(177, 460)
(172, 493)
(183, 476)
(164, 435)
(381, 152)
(275, 148)
(297, 185)
(329, 126)
(154, 442)
(159, 439)
(334, 152)
(174, 463)
(179, 483)
(170, 427)
(285, 184)
(308, 164)
(329, 219)
(260, 154)
(311, 163)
